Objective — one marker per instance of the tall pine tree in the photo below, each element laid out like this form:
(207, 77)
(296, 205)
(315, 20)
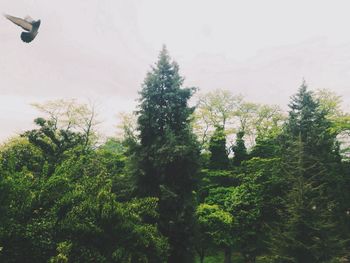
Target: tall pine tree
(310, 162)
(167, 158)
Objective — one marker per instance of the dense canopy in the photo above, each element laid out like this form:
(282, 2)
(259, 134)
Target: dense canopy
(226, 181)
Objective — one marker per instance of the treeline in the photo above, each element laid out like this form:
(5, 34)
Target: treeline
(227, 178)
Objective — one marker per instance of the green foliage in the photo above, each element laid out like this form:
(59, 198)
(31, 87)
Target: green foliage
(266, 147)
(63, 250)
(214, 229)
(239, 150)
(74, 215)
(128, 130)
(231, 112)
(217, 147)
(215, 223)
(244, 203)
(18, 154)
(215, 109)
(167, 159)
(210, 179)
(53, 142)
(311, 163)
(141, 198)
(251, 197)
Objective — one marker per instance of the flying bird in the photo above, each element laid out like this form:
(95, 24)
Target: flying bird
(28, 24)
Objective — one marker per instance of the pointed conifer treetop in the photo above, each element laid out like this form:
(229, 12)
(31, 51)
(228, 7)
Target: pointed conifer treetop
(167, 159)
(163, 102)
(307, 122)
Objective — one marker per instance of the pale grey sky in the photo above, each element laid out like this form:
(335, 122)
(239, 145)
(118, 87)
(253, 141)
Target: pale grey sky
(100, 50)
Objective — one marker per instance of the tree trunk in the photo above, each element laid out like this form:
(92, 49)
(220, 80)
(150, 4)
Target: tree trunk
(249, 259)
(228, 255)
(201, 254)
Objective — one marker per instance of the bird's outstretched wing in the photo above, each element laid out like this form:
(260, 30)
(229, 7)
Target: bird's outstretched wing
(20, 22)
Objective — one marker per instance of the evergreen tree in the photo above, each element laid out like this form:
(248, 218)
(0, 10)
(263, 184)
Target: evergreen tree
(167, 158)
(217, 147)
(309, 159)
(307, 125)
(239, 149)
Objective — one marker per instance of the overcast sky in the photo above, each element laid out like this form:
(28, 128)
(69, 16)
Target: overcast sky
(100, 50)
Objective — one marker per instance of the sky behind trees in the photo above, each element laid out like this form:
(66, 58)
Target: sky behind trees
(100, 50)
